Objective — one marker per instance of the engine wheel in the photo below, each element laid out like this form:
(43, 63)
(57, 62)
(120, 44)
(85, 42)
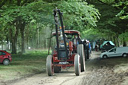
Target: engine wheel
(124, 55)
(49, 65)
(57, 69)
(80, 51)
(6, 62)
(77, 64)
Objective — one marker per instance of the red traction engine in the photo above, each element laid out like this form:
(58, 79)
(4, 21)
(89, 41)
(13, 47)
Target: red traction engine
(66, 54)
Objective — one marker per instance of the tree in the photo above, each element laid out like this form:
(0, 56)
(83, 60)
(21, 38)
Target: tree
(18, 17)
(111, 14)
(77, 15)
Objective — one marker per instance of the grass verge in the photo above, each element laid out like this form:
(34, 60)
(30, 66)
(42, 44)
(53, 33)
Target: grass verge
(31, 62)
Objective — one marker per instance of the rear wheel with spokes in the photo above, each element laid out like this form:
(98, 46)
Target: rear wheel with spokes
(80, 51)
(49, 65)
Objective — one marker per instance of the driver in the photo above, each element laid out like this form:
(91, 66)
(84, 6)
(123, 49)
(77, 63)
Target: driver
(75, 40)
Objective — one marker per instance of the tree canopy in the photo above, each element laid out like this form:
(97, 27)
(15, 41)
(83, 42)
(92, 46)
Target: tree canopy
(23, 21)
(29, 23)
(113, 17)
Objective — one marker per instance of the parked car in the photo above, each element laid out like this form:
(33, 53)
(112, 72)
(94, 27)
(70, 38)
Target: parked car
(116, 51)
(5, 57)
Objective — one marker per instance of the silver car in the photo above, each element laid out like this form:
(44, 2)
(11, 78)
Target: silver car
(114, 52)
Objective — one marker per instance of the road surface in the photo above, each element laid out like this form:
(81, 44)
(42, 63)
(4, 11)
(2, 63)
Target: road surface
(98, 72)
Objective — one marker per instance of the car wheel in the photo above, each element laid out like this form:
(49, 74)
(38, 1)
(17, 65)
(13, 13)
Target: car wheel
(124, 55)
(6, 62)
(105, 56)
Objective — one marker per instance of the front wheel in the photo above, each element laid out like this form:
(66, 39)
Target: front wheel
(77, 65)
(6, 62)
(49, 65)
(105, 56)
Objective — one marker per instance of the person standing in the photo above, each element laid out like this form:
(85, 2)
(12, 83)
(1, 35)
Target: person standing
(96, 47)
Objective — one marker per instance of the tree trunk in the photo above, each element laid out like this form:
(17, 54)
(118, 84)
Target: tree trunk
(44, 44)
(8, 44)
(14, 51)
(28, 43)
(124, 43)
(38, 38)
(2, 46)
(22, 37)
(117, 42)
(18, 2)
(50, 39)
(14, 39)
(14, 42)
(22, 43)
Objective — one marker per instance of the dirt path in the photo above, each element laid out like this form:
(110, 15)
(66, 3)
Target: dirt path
(98, 72)
(57, 79)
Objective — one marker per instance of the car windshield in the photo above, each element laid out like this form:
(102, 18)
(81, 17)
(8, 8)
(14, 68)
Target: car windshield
(112, 50)
(2, 53)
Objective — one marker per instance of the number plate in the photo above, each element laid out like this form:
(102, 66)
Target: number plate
(63, 62)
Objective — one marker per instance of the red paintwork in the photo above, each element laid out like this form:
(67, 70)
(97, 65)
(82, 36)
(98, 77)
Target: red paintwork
(64, 65)
(71, 58)
(6, 56)
(70, 46)
(74, 47)
(55, 58)
(72, 51)
(70, 32)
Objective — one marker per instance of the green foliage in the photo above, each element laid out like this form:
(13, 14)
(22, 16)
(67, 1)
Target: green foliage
(37, 16)
(123, 14)
(2, 34)
(107, 19)
(91, 34)
(94, 34)
(120, 4)
(113, 20)
(124, 36)
(108, 1)
(79, 14)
